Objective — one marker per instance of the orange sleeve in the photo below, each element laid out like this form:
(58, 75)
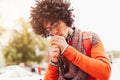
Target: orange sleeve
(97, 65)
(51, 72)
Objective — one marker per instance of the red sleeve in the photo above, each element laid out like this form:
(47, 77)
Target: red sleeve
(51, 72)
(97, 65)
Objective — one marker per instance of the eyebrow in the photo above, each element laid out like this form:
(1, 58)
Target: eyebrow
(55, 24)
(51, 24)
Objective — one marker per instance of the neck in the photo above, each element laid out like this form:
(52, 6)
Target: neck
(70, 31)
(70, 34)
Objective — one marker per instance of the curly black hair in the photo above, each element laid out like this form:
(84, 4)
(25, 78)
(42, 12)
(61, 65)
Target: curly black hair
(50, 10)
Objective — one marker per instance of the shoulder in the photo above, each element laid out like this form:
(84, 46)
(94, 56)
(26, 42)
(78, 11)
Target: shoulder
(94, 38)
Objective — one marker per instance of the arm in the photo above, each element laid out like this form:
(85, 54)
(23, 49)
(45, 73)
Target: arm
(51, 72)
(97, 65)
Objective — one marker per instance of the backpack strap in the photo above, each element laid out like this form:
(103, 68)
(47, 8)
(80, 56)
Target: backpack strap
(87, 42)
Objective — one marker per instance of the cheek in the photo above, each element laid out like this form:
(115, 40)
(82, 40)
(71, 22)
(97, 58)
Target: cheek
(63, 33)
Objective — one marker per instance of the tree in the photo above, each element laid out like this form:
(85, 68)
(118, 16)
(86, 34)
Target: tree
(22, 46)
(1, 30)
(116, 53)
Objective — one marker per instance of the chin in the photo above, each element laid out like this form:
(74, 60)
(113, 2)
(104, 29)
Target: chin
(65, 37)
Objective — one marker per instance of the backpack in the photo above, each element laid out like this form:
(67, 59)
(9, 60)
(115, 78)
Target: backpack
(87, 45)
(87, 42)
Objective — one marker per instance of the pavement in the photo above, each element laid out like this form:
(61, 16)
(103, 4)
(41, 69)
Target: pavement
(115, 70)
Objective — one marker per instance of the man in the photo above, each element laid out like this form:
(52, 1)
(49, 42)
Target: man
(67, 59)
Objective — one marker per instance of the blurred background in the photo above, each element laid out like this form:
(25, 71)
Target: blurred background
(22, 51)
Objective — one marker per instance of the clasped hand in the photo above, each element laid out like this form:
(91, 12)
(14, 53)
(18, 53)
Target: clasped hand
(57, 44)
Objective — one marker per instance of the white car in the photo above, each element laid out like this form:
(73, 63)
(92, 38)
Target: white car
(16, 72)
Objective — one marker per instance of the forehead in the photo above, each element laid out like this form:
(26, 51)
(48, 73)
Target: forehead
(49, 23)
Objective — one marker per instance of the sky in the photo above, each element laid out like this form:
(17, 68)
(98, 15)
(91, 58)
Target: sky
(100, 16)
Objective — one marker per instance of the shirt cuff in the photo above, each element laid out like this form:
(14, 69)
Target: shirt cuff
(54, 63)
(64, 49)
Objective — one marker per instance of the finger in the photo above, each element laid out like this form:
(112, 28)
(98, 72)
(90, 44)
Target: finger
(57, 38)
(55, 51)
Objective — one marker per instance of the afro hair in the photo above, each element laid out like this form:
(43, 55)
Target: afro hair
(50, 10)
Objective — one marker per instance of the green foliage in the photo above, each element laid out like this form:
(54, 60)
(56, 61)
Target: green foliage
(116, 54)
(1, 30)
(22, 46)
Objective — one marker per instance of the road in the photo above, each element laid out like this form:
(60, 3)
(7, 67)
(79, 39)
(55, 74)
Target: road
(115, 70)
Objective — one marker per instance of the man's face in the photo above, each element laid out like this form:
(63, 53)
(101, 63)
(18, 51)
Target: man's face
(57, 28)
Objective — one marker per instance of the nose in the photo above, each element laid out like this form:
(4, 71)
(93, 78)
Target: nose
(54, 32)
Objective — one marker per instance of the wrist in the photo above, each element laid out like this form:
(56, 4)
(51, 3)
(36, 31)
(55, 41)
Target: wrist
(54, 63)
